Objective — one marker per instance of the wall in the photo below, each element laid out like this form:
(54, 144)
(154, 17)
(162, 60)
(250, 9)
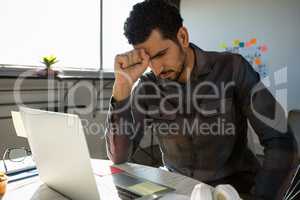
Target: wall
(273, 22)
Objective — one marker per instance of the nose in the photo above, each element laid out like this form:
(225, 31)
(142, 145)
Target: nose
(155, 67)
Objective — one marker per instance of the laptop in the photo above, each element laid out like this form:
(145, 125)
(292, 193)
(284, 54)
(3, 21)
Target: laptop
(60, 151)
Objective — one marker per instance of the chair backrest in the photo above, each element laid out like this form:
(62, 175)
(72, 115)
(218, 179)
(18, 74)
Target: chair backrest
(292, 190)
(294, 122)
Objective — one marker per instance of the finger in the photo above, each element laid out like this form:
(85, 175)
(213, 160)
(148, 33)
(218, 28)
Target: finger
(130, 58)
(136, 71)
(145, 58)
(136, 56)
(133, 58)
(121, 61)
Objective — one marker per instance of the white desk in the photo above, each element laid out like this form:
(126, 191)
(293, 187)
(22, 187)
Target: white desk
(34, 189)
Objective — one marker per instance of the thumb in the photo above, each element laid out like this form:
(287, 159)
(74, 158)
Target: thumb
(145, 58)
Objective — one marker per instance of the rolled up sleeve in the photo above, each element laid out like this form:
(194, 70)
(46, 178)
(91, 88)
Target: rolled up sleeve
(124, 128)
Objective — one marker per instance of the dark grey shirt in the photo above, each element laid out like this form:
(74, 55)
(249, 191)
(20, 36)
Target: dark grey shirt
(202, 125)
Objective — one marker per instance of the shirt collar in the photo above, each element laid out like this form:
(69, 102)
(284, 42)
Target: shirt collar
(203, 65)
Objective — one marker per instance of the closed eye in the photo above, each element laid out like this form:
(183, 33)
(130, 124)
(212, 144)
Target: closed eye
(160, 54)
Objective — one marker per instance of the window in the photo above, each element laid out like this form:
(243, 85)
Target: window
(69, 29)
(114, 42)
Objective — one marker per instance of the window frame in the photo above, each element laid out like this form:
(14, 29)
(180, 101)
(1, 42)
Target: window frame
(16, 69)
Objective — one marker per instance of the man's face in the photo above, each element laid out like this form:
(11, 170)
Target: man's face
(169, 57)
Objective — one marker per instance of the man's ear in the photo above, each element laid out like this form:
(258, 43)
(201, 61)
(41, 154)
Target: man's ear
(183, 37)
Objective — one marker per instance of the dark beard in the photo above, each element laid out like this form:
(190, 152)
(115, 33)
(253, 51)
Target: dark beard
(182, 67)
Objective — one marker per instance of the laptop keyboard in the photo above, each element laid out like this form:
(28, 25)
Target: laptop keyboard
(126, 195)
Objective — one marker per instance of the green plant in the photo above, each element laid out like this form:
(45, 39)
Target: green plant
(49, 61)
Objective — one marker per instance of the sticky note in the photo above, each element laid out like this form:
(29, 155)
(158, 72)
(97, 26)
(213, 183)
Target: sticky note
(18, 124)
(223, 45)
(108, 170)
(146, 188)
(264, 48)
(248, 44)
(257, 61)
(253, 41)
(236, 43)
(242, 44)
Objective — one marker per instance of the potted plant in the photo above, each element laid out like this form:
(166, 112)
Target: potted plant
(48, 61)
(3, 183)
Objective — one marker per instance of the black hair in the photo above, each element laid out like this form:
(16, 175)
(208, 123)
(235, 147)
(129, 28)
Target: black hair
(149, 15)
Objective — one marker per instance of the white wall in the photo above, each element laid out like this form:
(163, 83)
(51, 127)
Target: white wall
(274, 22)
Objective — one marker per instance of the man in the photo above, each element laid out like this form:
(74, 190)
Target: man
(197, 103)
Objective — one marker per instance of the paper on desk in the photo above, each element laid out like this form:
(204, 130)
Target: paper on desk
(146, 188)
(18, 124)
(107, 170)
